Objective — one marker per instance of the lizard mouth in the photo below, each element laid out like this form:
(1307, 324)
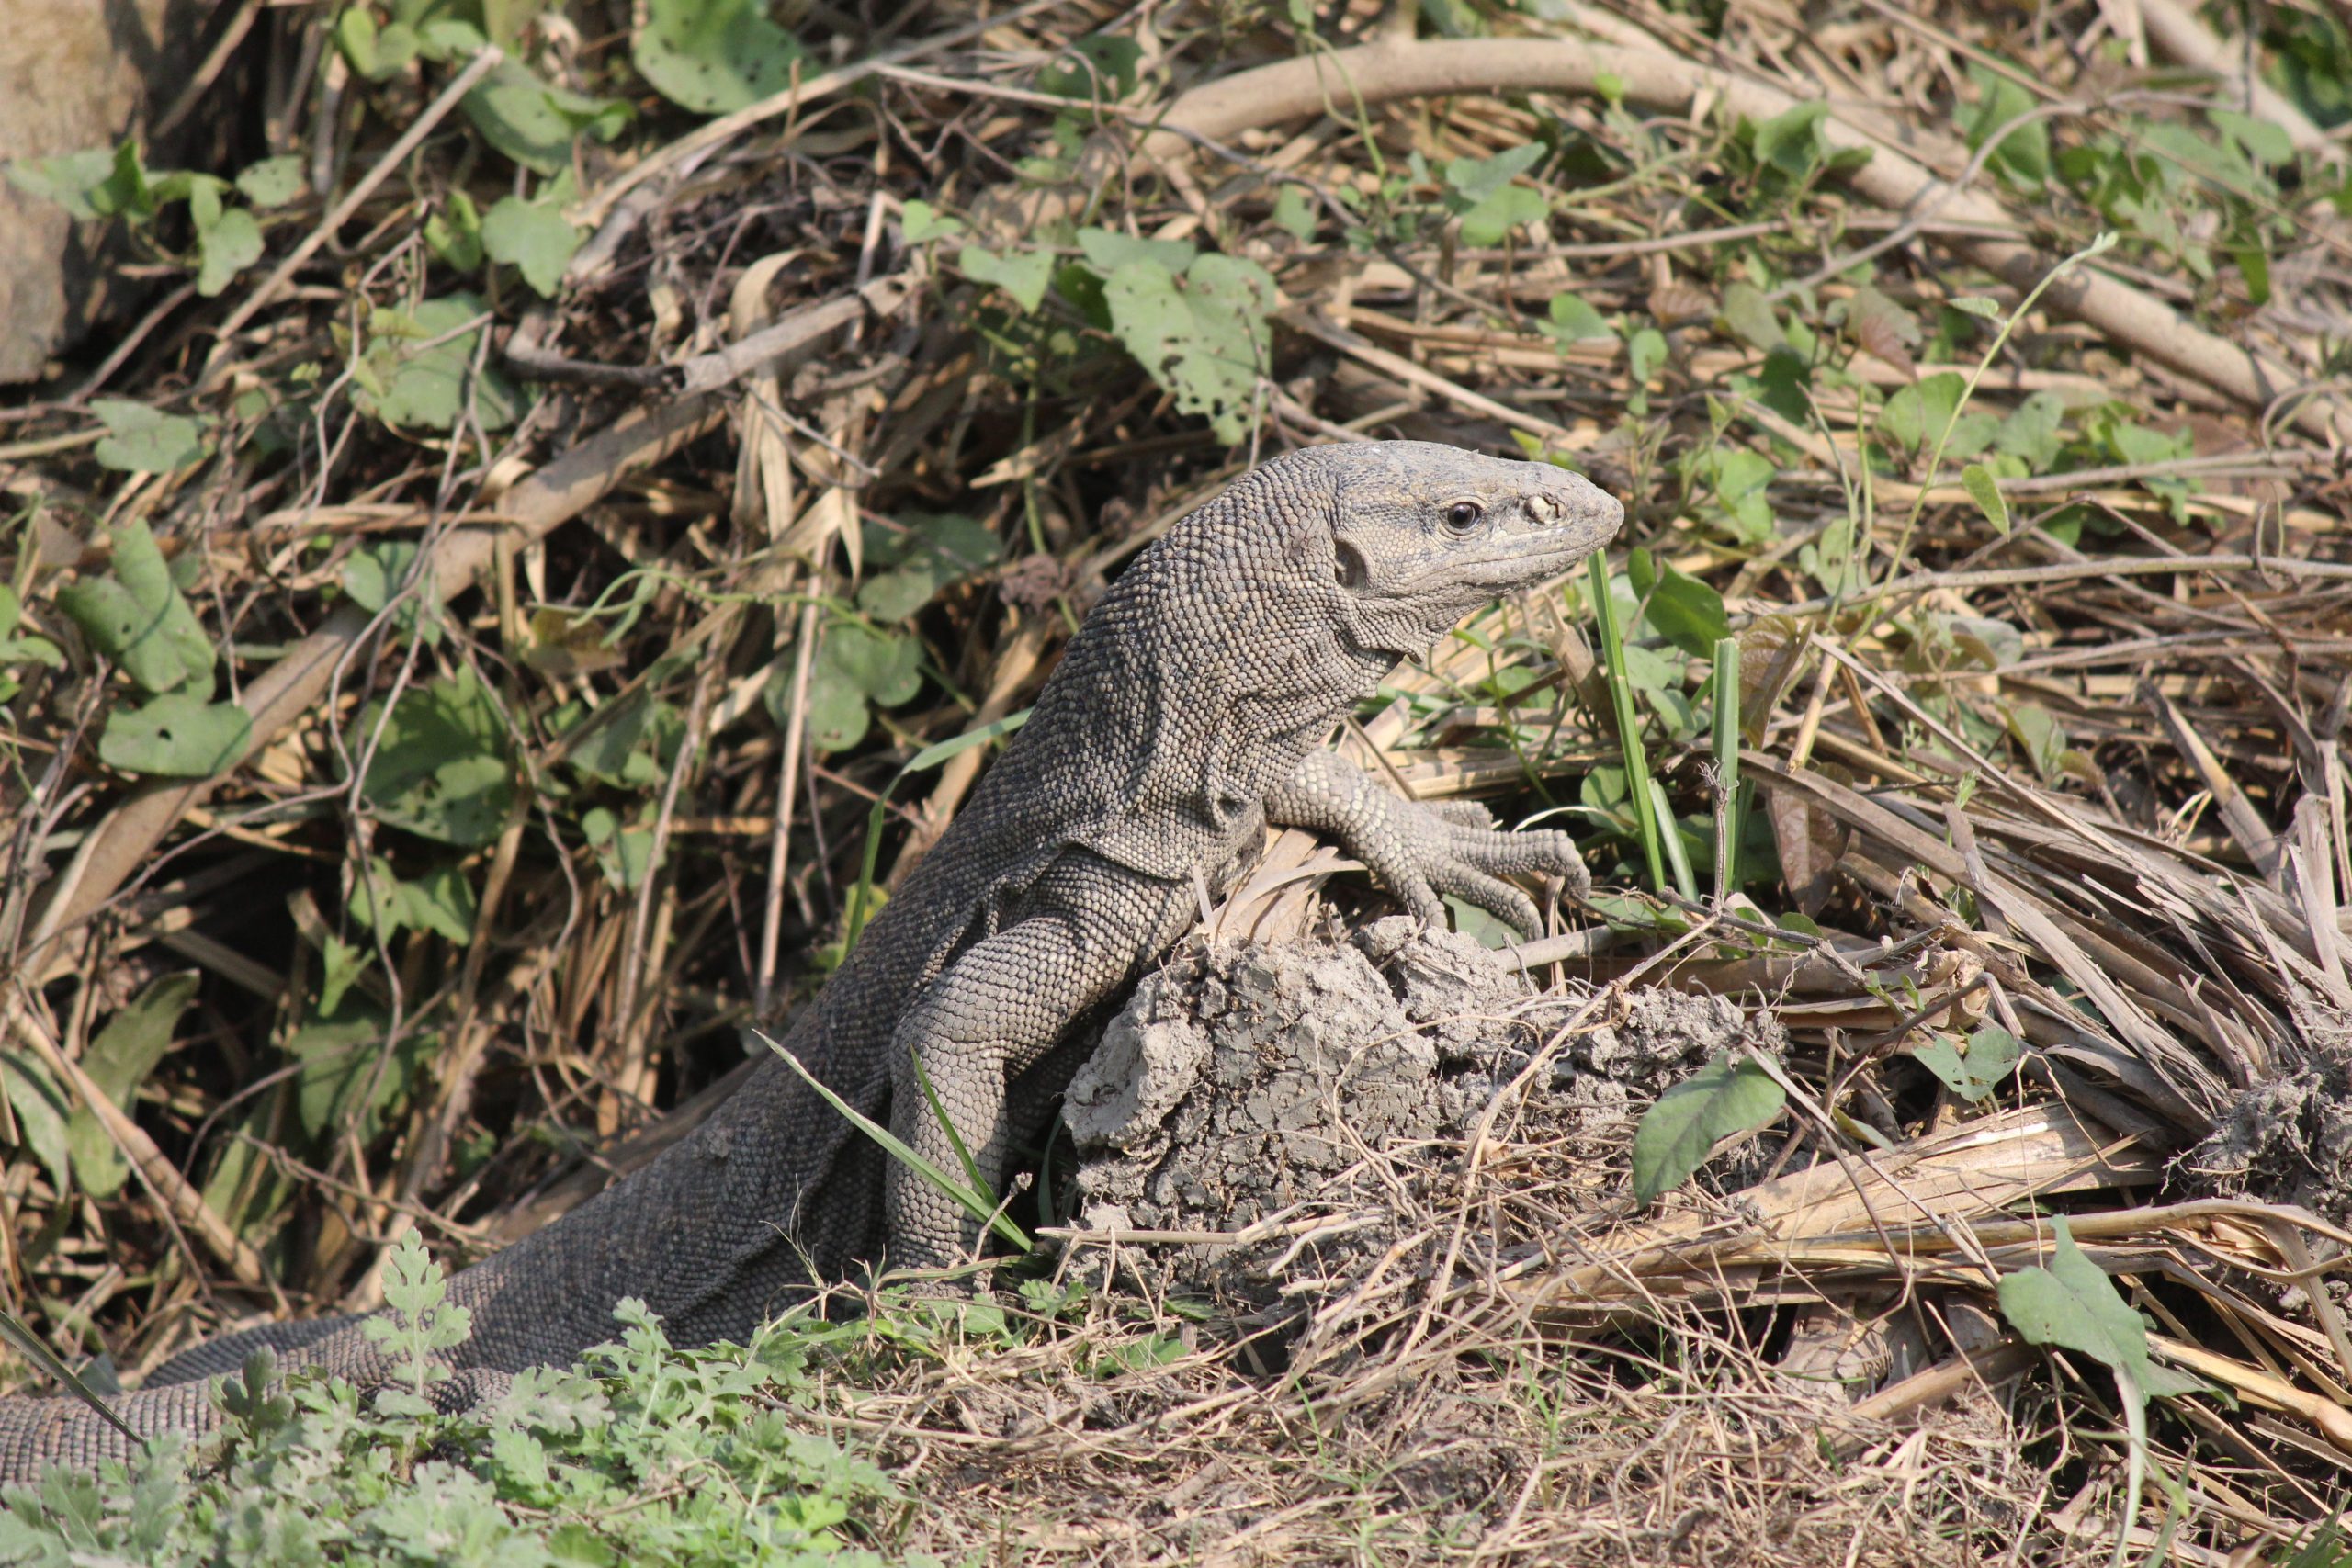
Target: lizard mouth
(1509, 563)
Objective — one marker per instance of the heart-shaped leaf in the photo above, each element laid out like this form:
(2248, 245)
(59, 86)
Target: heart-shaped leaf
(179, 735)
(1677, 1133)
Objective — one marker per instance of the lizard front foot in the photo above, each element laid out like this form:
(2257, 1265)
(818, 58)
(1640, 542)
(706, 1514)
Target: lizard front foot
(1422, 851)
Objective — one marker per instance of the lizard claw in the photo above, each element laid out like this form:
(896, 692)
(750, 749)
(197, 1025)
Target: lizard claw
(1423, 850)
(1430, 850)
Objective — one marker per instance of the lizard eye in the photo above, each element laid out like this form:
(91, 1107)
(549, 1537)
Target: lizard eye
(1463, 516)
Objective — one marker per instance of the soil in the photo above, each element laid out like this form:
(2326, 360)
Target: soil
(1320, 1091)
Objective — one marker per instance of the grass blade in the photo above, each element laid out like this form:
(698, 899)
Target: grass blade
(861, 898)
(1629, 729)
(1726, 759)
(956, 1139)
(28, 1345)
(975, 1202)
(1670, 835)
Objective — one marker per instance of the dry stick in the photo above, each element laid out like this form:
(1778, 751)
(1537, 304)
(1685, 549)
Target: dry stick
(1315, 326)
(1014, 666)
(2115, 566)
(340, 213)
(289, 688)
(795, 730)
(688, 151)
(183, 1205)
(215, 60)
(645, 933)
(2182, 39)
(1378, 73)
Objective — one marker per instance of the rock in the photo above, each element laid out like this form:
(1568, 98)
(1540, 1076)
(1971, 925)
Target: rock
(75, 74)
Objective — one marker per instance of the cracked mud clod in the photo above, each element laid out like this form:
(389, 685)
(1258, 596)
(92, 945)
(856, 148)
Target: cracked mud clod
(1321, 1091)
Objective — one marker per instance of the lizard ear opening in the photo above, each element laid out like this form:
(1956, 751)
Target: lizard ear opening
(1348, 567)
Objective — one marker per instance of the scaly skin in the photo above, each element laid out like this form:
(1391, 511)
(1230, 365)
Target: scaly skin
(1189, 712)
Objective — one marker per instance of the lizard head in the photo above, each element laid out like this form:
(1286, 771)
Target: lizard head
(1422, 534)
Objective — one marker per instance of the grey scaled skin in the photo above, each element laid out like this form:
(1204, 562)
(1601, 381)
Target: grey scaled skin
(1188, 713)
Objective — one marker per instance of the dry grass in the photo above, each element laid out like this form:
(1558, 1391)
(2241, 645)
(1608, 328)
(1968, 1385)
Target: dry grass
(2083, 778)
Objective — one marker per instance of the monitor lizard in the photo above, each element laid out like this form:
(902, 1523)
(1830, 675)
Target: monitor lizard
(1188, 713)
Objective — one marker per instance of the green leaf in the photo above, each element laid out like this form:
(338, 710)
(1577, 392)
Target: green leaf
(417, 386)
(1676, 1135)
(535, 123)
(2141, 446)
(135, 615)
(1106, 251)
(1098, 66)
(1902, 422)
(1022, 274)
(69, 179)
(39, 1108)
(625, 745)
(1685, 610)
(1791, 141)
(340, 965)
(931, 552)
(1573, 321)
(27, 650)
(1750, 317)
(416, 1326)
(533, 236)
(1294, 213)
(1644, 352)
(2031, 430)
(226, 247)
(363, 46)
(886, 666)
(2036, 729)
(625, 854)
(441, 901)
(375, 574)
(441, 767)
(2263, 140)
(117, 1062)
(1491, 221)
(142, 440)
(178, 735)
(344, 1082)
(2074, 1305)
(919, 221)
(1833, 562)
(1991, 1056)
(126, 192)
(1918, 413)
(1739, 478)
(2023, 156)
(454, 234)
(1204, 338)
(273, 182)
(1985, 490)
(939, 752)
(838, 717)
(1472, 180)
(1481, 191)
(714, 56)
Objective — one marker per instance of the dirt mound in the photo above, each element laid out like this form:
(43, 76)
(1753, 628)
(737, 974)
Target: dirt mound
(2288, 1141)
(1311, 1097)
